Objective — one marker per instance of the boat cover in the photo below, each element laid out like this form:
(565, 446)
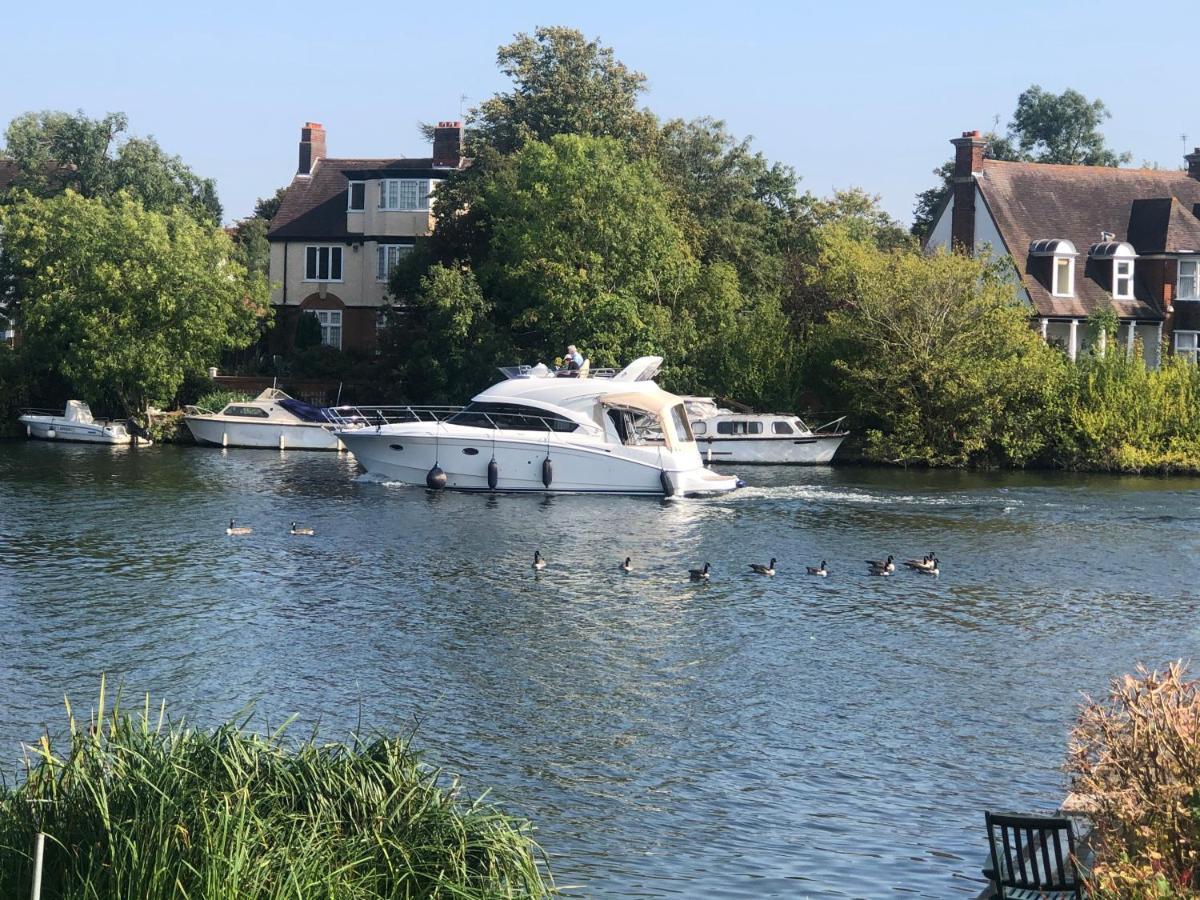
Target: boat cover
(306, 412)
(78, 411)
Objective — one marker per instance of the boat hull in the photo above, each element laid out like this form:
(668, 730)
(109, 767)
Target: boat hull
(811, 450)
(49, 429)
(271, 435)
(408, 456)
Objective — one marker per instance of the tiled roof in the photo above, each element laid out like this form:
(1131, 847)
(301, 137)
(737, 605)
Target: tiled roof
(314, 206)
(1154, 210)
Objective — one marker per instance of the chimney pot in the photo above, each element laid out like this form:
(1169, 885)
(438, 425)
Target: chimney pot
(312, 147)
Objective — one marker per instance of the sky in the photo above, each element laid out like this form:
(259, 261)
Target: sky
(850, 94)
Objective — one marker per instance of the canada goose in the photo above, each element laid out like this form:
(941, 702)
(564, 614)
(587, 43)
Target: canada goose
(538, 562)
(625, 566)
(820, 571)
(888, 566)
(923, 563)
(699, 574)
(931, 569)
(768, 569)
(237, 529)
(303, 530)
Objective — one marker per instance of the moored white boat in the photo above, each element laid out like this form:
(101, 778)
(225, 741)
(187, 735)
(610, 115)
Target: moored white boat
(724, 436)
(76, 423)
(272, 419)
(535, 432)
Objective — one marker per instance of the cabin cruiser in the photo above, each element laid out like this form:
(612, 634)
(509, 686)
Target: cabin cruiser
(272, 419)
(739, 437)
(76, 423)
(537, 431)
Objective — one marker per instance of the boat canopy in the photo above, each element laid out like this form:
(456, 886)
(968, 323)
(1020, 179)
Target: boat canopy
(78, 411)
(659, 403)
(305, 412)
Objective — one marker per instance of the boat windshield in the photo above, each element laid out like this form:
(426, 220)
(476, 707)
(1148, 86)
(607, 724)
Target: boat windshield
(683, 428)
(511, 417)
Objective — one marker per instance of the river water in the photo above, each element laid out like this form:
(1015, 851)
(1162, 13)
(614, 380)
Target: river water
(751, 737)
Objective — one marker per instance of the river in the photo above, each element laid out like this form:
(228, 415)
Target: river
(750, 737)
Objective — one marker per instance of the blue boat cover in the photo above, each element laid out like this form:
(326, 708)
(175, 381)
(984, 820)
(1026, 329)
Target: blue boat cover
(304, 411)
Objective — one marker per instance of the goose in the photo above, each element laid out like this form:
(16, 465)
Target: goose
(625, 566)
(931, 569)
(699, 574)
(538, 562)
(888, 566)
(768, 569)
(923, 563)
(237, 529)
(820, 571)
(302, 530)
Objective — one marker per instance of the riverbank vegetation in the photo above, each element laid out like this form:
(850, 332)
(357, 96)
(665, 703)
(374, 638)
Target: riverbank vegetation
(586, 219)
(138, 805)
(1135, 759)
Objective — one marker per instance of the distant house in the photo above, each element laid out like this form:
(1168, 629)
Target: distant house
(340, 229)
(1086, 239)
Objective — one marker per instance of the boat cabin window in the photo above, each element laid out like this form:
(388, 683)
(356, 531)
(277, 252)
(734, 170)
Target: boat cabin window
(739, 427)
(250, 412)
(699, 428)
(683, 428)
(782, 428)
(511, 416)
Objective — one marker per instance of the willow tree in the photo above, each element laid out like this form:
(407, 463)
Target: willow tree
(122, 301)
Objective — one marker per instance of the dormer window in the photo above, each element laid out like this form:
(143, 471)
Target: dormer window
(1061, 254)
(1122, 256)
(357, 199)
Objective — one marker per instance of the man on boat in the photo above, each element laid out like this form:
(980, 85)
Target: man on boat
(574, 360)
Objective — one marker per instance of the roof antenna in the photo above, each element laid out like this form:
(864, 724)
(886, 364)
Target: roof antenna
(463, 98)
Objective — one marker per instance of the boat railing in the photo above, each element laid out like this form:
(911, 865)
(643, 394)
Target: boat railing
(39, 411)
(831, 428)
(371, 416)
(526, 371)
(191, 409)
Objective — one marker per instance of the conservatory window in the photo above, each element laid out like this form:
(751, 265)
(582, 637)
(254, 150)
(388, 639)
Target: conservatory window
(1189, 275)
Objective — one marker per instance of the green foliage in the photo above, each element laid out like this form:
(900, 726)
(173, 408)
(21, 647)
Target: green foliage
(138, 805)
(217, 399)
(265, 208)
(933, 355)
(58, 151)
(123, 301)
(254, 251)
(562, 84)
(308, 331)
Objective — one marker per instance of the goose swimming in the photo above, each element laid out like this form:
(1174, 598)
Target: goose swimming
(768, 569)
(235, 529)
(538, 562)
(820, 571)
(699, 574)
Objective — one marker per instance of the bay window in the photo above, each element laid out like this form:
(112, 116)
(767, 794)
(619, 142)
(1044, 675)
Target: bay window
(404, 194)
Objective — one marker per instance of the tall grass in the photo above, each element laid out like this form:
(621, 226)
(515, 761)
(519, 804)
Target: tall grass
(143, 806)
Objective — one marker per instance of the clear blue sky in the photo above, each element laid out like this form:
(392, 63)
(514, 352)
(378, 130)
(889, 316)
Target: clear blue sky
(849, 94)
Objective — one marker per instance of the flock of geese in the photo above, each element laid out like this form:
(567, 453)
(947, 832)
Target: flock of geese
(926, 565)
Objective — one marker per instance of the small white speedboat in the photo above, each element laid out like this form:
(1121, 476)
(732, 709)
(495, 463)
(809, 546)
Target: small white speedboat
(541, 432)
(76, 423)
(726, 436)
(272, 420)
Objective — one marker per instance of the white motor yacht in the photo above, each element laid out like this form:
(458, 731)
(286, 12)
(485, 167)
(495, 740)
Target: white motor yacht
(737, 437)
(76, 423)
(272, 419)
(538, 431)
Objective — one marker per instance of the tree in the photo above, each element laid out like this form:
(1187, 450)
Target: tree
(935, 357)
(584, 249)
(1045, 128)
(562, 84)
(265, 208)
(308, 331)
(58, 151)
(120, 300)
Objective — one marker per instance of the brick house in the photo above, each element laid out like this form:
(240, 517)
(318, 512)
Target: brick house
(1085, 239)
(340, 229)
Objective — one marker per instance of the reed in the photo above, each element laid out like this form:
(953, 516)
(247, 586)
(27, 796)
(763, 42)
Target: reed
(140, 805)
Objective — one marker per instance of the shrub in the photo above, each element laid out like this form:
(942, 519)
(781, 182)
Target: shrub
(218, 400)
(1136, 758)
(141, 806)
(308, 331)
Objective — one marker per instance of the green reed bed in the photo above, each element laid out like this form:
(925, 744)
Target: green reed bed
(143, 806)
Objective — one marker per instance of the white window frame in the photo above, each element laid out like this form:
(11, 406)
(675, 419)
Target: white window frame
(331, 326)
(1194, 278)
(330, 250)
(1054, 292)
(1190, 348)
(404, 194)
(350, 197)
(393, 254)
(1118, 278)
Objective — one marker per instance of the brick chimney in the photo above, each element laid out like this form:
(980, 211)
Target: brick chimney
(1193, 162)
(312, 147)
(447, 144)
(968, 162)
